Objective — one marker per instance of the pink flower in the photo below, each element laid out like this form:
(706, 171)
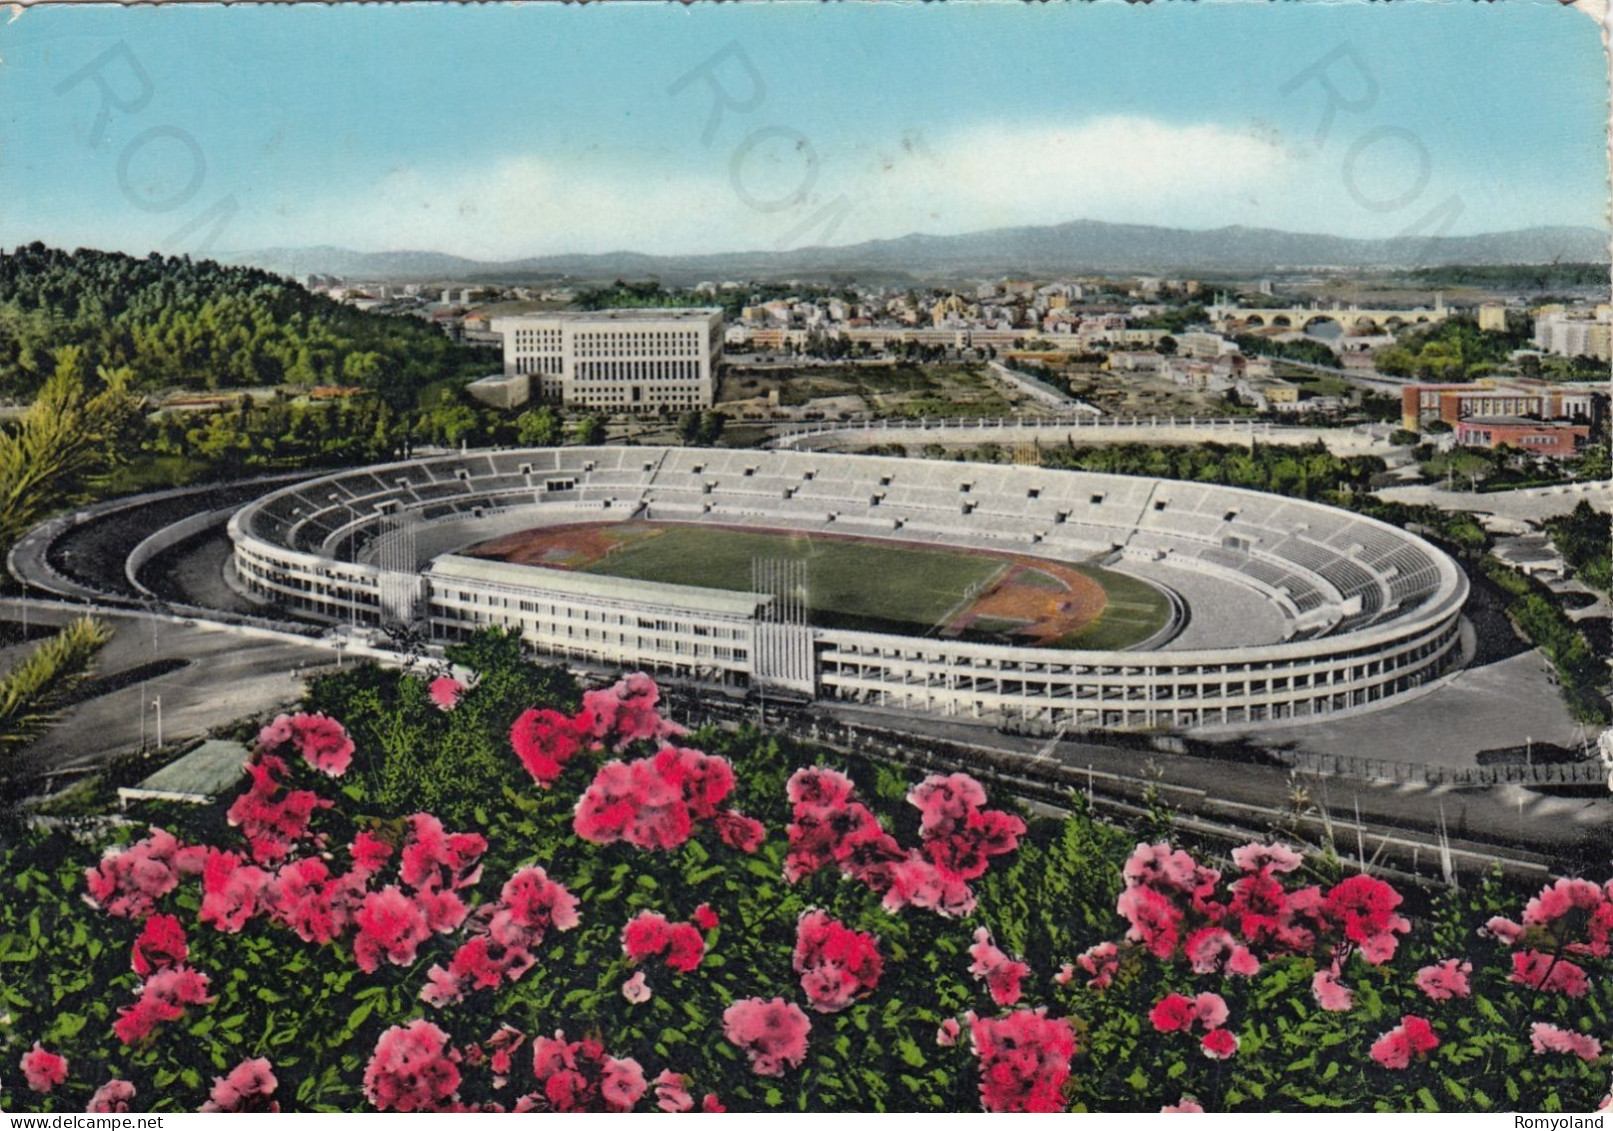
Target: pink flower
(1330, 993)
(1503, 930)
(944, 802)
(501, 1048)
(322, 742)
(703, 780)
(412, 1069)
(1276, 858)
(705, 918)
(636, 989)
(1211, 950)
(230, 891)
(1101, 963)
(1210, 1010)
(369, 852)
(739, 831)
(631, 801)
(1413, 1037)
(1187, 1105)
(163, 998)
(1218, 1044)
(545, 741)
(627, 712)
(1549, 1038)
(773, 1034)
(391, 926)
(445, 691)
(947, 1034)
(128, 882)
(1001, 974)
(646, 935)
(434, 858)
(1557, 900)
(529, 904)
(161, 944)
(686, 947)
(819, 787)
(916, 882)
(1065, 975)
(305, 897)
(1174, 1012)
(621, 1083)
(672, 1092)
(1155, 920)
(579, 1076)
(957, 839)
(1159, 866)
(247, 1088)
(837, 964)
(1445, 980)
(42, 1069)
(1171, 1013)
(1552, 975)
(272, 818)
(113, 1096)
(1024, 1060)
(1364, 907)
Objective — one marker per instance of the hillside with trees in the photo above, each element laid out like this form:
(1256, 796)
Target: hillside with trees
(174, 322)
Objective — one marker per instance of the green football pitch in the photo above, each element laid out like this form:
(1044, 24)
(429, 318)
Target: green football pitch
(850, 583)
(862, 584)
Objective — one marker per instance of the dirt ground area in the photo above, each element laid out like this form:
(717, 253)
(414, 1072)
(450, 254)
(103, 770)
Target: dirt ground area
(853, 390)
(1038, 603)
(1141, 394)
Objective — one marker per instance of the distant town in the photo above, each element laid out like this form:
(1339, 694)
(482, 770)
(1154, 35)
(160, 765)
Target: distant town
(1482, 371)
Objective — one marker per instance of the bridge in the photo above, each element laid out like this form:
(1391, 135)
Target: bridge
(1354, 319)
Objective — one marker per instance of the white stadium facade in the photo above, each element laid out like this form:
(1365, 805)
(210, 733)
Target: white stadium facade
(1286, 610)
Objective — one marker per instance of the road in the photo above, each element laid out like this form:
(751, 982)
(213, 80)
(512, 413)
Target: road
(1531, 503)
(227, 676)
(1571, 830)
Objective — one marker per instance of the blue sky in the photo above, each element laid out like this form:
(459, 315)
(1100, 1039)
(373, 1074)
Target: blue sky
(498, 131)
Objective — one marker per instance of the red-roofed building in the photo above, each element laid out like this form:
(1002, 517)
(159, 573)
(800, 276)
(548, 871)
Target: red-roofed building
(1556, 438)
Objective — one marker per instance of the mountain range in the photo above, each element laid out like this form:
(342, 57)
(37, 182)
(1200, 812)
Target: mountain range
(1077, 247)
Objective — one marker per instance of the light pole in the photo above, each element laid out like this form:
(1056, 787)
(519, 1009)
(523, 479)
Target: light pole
(157, 703)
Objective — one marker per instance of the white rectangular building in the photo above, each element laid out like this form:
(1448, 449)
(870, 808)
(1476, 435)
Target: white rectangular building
(630, 361)
(1569, 336)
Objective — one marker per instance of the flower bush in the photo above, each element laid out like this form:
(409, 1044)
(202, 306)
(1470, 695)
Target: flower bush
(519, 897)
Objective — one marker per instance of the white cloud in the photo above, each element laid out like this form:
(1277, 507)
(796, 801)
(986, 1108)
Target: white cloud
(1115, 168)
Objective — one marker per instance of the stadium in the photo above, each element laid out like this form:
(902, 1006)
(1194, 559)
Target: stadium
(1011, 594)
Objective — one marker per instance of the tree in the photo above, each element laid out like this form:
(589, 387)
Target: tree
(689, 431)
(70, 436)
(589, 430)
(540, 428)
(34, 692)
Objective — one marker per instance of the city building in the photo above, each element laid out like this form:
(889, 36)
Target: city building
(1555, 438)
(1493, 317)
(1569, 335)
(618, 360)
(1422, 404)
(502, 390)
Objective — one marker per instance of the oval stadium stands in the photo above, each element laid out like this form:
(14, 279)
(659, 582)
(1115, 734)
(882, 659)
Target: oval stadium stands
(1291, 609)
